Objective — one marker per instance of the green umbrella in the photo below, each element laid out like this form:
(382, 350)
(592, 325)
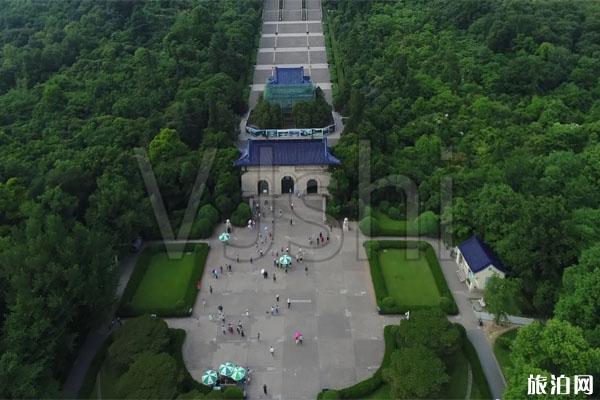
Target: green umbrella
(209, 378)
(227, 369)
(224, 237)
(285, 260)
(238, 374)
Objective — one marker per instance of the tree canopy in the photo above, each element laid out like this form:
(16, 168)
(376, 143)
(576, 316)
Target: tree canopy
(497, 97)
(82, 84)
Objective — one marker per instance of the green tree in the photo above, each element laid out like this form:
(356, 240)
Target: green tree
(150, 376)
(429, 328)
(415, 372)
(501, 296)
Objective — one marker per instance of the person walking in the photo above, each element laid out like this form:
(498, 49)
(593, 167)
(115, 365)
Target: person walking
(221, 267)
(277, 298)
(258, 336)
(289, 303)
(210, 288)
(291, 222)
(272, 351)
(265, 389)
(274, 277)
(224, 330)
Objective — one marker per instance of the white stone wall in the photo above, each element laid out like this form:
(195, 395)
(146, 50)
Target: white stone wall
(481, 276)
(273, 175)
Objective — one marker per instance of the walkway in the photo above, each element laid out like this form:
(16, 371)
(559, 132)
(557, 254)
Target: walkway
(333, 305)
(292, 42)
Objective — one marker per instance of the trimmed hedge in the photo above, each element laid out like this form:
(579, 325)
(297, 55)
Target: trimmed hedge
(469, 351)
(369, 226)
(426, 224)
(180, 310)
(241, 215)
(373, 247)
(205, 222)
(364, 388)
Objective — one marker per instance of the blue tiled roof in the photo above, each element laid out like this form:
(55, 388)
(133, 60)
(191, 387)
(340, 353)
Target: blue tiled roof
(286, 152)
(479, 255)
(289, 76)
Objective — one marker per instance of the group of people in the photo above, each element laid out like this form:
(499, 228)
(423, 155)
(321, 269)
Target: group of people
(216, 272)
(319, 240)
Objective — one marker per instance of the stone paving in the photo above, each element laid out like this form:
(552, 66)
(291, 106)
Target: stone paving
(292, 42)
(333, 305)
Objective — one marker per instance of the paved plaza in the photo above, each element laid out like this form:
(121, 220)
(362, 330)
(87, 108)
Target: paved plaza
(333, 305)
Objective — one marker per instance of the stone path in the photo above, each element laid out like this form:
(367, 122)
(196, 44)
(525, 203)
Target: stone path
(333, 305)
(292, 42)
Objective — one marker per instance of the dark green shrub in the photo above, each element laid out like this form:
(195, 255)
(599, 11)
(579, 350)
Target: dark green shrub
(428, 224)
(369, 226)
(141, 334)
(331, 395)
(389, 303)
(202, 228)
(394, 213)
(233, 393)
(224, 204)
(241, 215)
(446, 305)
(384, 206)
(191, 395)
(209, 212)
(150, 376)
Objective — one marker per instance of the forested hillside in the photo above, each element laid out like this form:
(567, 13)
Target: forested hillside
(509, 93)
(82, 83)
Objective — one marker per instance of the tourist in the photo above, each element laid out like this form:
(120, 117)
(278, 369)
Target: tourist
(210, 288)
(247, 312)
(272, 351)
(306, 269)
(258, 336)
(224, 330)
(221, 267)
(289, 302)
(274, 279)
(272, 310)
(265, 386)
(237, 258)
(277, 298)
(277, 309)
(292, 205)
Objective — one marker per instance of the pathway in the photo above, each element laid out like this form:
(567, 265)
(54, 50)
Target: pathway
(292, 42)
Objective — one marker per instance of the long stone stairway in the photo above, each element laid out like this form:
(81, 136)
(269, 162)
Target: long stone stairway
(292, 36)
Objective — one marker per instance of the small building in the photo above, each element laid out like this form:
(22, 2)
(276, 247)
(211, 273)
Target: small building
(283, 166)
(288, 86)
(477, 263)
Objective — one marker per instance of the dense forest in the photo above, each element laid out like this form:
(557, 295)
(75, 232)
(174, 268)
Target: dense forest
(502, 97)
(83, 83)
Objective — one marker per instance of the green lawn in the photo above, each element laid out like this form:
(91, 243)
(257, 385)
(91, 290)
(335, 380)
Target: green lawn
(502, 349)
(408, 281)
(165, 282)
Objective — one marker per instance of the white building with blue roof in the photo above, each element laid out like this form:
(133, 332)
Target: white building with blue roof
(477, 263)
